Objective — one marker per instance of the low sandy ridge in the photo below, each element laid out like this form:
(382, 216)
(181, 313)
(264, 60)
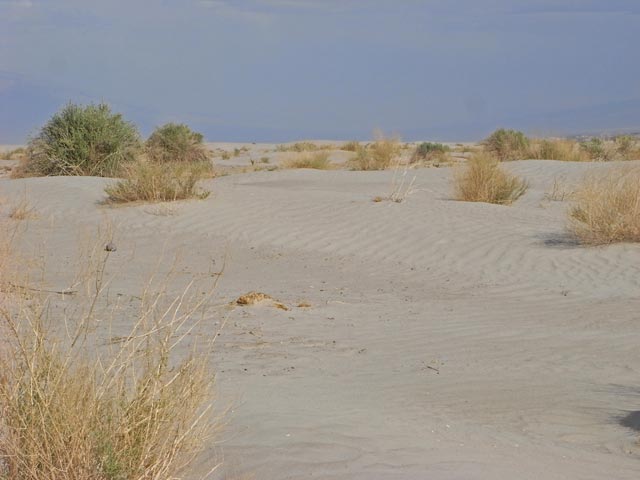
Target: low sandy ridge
(445, 340)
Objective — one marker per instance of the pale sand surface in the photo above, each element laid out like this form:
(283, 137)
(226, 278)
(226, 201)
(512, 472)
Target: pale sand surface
(445, 340)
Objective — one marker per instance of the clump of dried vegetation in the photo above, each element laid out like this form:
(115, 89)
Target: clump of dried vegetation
(351, 146)
(75, 406)
(149, 181)
(302, 147)
(607, 208)
(383, 153)
(316, 160)
(19, 153)
(484, 180)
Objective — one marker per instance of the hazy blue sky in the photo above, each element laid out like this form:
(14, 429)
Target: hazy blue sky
(255, 70)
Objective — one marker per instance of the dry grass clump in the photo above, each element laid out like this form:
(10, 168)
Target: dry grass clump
(16, 154)
(483, 180)
(176, 142)
(351, 146)
(607, 208)
(299, 147)
(159, 182)
(75, 408)
(557, 149)
(505, 144)
(379, 155)
(315, 160)
(81, 140)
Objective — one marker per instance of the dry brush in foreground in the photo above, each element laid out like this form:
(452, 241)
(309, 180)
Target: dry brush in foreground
(484, 180)
(607, 208)
(76, 405)
(159, 182)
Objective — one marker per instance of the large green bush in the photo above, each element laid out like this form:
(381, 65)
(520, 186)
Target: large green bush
(507, 144)
(82, 140)
(176, 142)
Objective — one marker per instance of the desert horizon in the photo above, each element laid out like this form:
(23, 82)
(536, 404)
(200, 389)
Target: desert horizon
(339, 240)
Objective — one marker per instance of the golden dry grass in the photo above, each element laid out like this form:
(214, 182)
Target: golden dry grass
(316, 160)
(607, 208)
(75, 408)
(557, 149)
(483, 180)
(380, 155)
(159, 182)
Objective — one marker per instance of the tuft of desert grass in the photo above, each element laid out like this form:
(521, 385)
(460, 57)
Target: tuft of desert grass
(298, 147)
(74, 407)
(379, 155)
(351, 146)
(484, 180)
(607, 208)
(159, 182)
(557, 149)
(316, 160)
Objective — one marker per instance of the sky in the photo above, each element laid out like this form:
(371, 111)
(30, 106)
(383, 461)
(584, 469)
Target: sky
(283, 70)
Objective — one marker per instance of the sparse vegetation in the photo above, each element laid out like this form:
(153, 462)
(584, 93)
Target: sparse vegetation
(429, 151)
(176, 142)
(16, 154)
(351, 146)
(597, 149)
(379, 155)
(74, 407)
(159, 182)
(298, 147)
(315, 160)
(22, 210)
(483, 180)
(506, 144)
(89, 140)
(607, 208)
(557, 149)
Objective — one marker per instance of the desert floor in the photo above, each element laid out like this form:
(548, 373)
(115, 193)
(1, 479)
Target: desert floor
(444, 339)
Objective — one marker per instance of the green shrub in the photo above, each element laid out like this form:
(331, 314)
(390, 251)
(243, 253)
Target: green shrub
(429, 151)
(159, 182)
(176, 142)
(507, 144)
(597, 149)
(79, 140)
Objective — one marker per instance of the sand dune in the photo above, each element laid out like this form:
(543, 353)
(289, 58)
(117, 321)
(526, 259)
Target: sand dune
(445, 340)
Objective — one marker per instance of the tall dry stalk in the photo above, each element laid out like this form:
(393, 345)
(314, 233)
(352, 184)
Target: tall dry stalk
(74, 406)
